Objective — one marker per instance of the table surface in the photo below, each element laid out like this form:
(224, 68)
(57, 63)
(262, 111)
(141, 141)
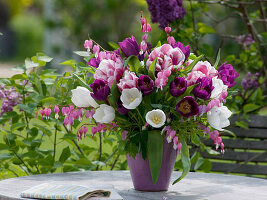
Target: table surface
(194, 186)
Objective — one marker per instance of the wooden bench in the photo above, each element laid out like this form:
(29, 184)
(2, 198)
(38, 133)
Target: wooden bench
(244, 154)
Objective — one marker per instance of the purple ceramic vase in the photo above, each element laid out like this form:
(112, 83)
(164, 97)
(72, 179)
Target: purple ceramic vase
(140, 170)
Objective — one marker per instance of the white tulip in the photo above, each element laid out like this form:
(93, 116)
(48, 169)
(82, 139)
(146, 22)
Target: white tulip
(104, 114)
(81, 97)
(218, 117)
(156, 118)
(131, 98)
(219, 87)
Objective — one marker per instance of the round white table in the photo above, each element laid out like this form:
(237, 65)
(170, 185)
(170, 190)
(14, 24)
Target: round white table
(195, 186)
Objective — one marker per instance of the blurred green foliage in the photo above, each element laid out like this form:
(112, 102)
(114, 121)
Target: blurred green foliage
(29, 36)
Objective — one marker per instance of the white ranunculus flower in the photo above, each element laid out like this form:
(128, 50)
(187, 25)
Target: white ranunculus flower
(131, 98)
(156, 118)
(81, 97)
(218, 117)
(104, 114)
(219, 87)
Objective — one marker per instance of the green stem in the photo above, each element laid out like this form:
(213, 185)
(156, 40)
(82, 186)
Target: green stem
(140, 115)
(111, 155)
(75, 143)
(115, 161)
(55, 143)
(100, 150)
(29, 170)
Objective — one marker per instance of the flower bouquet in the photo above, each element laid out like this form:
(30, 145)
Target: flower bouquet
(156, 100)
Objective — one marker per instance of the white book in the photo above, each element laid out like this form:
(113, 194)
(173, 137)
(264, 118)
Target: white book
(69, 192)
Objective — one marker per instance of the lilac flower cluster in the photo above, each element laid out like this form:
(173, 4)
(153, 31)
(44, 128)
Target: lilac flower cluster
(250, 81)
(228, 74)
(10, 98)
(166, 11)
(245, 40)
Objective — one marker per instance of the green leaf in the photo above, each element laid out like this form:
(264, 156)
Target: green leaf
(206, 165)
(69, 62)
(17, 126)
(230, 132)
(210, 151)
(82, 53)
(195, 157)
(48, 100)
(83, 162)
(82, 82)
(65, 155)
(144, 138)
(217, 59)
(133, 62)
(113, 45)
(45, 130)
(204, 28)
(242, 124)
(155, 149)
(5, 156)
(250, 107)
(19, 77)
(29, 108)
(185, 161)
(30, 64)
(43, 57)
(151, 70)
(190, 67)
(69, 136)
(114, 94)
(158, 44)
(3, 146)
(199, 162)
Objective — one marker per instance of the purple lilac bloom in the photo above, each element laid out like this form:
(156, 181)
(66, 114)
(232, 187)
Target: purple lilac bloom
(245, 40)
(204, 88)
(178, 86)
(145, 84)
(10, 98)
(165, 11)
(120, 108)
(101, 90)
(129, 47)
(185, 49)
(187, 107)
(227, 74)
(250, 81)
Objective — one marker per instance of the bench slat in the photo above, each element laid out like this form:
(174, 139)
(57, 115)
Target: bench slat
(255, 121)
(238, 156)
(251, 133)
(240, 144)
(236, 168)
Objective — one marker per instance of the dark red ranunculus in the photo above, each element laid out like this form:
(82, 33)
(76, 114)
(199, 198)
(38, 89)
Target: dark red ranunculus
(187, 107)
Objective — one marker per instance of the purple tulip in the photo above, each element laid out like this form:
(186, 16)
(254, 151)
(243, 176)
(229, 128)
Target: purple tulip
(227, 74)
(178, 86)
(94, 62)
(129, 47)
(101, 90)
(120, 108)
(204, 88)
(145, 84)
(187, 107)
(185, 49)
